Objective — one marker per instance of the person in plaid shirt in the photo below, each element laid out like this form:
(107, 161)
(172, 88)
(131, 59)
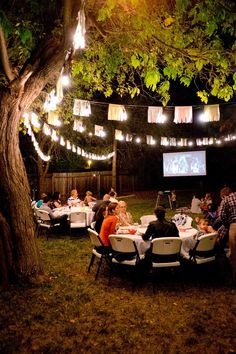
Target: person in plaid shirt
(227, 213)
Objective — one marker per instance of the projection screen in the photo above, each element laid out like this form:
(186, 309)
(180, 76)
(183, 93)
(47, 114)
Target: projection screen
(189, 163)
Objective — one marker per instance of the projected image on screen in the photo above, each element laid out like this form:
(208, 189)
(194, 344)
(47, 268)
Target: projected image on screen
(189, 163)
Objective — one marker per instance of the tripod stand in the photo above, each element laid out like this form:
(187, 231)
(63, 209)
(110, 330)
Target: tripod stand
(163, 196)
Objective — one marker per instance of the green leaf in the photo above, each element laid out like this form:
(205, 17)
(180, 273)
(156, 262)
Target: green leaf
(199, 64)
(185, 80)
(135, 61)
(211, 28)
(25, 35)
(151, 79)
(203, 95)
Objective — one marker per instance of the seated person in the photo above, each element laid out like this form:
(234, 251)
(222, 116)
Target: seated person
(64, 200)
(74, 200)
(113, 197)
(98, 203)
(125, 218)
(62, 219)
(56, 202)
(173, 198)
(40, 201)
(205, 201)
(203, 227)
(211, 213)
(109, 223)
(196, 205)
(89, 198)
(113, 190)
(99, 217)
(160, 227)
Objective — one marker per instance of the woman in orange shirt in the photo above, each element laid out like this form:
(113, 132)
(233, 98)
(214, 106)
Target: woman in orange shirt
(109, 223)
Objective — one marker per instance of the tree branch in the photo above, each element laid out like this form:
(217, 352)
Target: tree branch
(4, 57)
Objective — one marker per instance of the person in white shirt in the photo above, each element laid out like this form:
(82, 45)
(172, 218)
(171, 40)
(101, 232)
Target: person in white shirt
(74, 200)
(195, 205)
(113, 197)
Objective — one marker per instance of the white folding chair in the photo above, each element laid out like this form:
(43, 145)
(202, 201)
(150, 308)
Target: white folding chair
(146, 219)
(165, 253)
(204, 250)
(77, 220)
(98, 251)
(92, 225)
(44, 221)
(124, 252)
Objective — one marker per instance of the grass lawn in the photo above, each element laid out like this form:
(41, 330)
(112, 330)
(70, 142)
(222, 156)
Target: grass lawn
(70, 312)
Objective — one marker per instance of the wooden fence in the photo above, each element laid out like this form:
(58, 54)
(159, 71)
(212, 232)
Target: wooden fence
(97, 182)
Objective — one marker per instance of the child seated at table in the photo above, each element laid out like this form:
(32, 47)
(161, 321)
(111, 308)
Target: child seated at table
(203, 227)
(89, 198)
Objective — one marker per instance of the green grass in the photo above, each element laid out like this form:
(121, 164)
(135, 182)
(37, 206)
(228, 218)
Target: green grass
(70, 312)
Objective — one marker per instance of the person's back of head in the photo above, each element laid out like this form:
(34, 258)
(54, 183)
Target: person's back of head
(46, 199)
(224, 192)
(160, 212)
(102, 211)
(112, 194)
(55, 195)
(111, 208)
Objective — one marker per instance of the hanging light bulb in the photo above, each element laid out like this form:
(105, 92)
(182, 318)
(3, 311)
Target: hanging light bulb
(65, 80)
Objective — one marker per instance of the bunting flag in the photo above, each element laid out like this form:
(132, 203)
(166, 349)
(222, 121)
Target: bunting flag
(51, 102)
(99, 131)
(212, 113)
(183, 114)
(53, 119)
(68, 144)
(119, 135)
(172, 142)
(59, 88)
(81, 108)
(128, 137)
(155, 115)
(78, 126)
(62, 141)
(117, 112)
(150, 140)
(46, 129)
(79, 36)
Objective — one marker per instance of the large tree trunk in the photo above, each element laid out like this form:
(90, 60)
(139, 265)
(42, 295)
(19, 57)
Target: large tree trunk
(18, 247)
(19, 256)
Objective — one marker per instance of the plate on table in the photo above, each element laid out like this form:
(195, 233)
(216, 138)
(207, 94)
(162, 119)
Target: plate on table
(124, 228)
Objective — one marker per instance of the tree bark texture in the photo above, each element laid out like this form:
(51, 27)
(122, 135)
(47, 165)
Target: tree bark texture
(19, 255)
(19, 252)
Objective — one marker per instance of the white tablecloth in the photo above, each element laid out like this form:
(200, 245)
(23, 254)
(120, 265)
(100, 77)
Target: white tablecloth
(67, 210)
(187, 236)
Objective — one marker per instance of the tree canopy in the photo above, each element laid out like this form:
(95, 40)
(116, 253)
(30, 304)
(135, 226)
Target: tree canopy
(143, 47)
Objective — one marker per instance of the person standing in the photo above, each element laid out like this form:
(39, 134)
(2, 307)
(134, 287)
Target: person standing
(173, 198)
(227, 214)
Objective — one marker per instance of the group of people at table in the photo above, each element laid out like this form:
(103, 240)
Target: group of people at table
(114, 218)
(111, 217)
